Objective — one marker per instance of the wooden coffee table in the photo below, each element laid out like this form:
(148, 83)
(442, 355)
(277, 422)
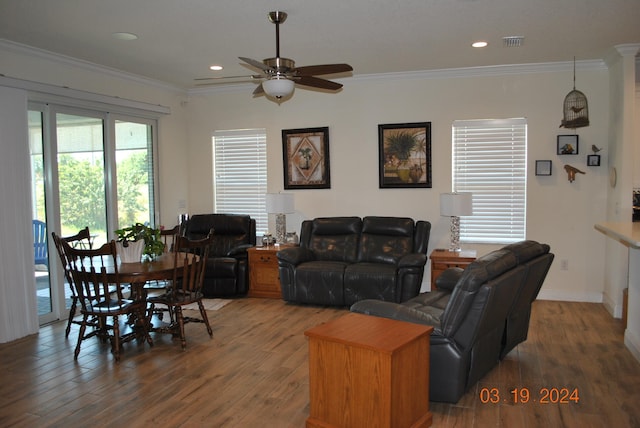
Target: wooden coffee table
(368, 371)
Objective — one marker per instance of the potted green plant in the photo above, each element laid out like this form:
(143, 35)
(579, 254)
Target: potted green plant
(400, 145)
(138, 240)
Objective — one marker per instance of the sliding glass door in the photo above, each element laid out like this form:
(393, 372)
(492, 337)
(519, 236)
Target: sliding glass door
(90, 169)
(81, 177)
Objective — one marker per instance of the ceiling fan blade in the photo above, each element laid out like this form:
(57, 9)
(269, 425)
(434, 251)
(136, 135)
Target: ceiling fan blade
(314, 70)
(317, 82)
(257, 64)
(259, 90)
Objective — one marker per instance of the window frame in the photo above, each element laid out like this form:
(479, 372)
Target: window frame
(248, 194)
(489, 160)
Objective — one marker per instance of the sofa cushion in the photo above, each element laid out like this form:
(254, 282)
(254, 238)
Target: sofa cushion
(370, 281)
(479, 272)
(385, 239)
(527, 250)
(335, 238)
(486, 268)
(320, 282)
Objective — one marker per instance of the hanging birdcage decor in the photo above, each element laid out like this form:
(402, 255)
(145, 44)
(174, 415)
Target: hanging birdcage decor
(575, 107)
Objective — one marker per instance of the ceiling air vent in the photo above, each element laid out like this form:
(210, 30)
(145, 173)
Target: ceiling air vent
(512, 41)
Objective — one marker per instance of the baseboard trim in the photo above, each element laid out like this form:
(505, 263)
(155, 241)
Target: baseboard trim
(614, 309)
(632, 343)
(570, 296)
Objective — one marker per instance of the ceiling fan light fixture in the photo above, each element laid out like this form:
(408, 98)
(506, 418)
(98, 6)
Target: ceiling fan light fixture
(278, 87)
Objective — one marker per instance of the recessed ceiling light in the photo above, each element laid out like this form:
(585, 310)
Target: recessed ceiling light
(479, 44)
(124, 36)
(216, 67)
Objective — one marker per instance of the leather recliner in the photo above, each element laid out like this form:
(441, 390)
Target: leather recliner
(342, 260)
(227, 271)
(478, 314)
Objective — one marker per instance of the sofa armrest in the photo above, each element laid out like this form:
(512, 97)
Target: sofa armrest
(449, 278)
(412, 260)
(239, 250)
(295, 255)
(394, 311)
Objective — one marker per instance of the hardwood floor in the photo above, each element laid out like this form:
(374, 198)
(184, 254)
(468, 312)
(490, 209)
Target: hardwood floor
(253, 373)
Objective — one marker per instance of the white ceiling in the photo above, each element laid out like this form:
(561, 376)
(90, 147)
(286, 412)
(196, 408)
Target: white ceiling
(179, 39)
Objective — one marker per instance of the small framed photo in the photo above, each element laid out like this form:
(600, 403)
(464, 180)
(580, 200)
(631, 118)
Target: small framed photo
(593, 160)
(543, 167)
(306, 158)
(567, 144)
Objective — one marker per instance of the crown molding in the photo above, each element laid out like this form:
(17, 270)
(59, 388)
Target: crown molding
(620, 51)
(488, 71)
(19, 48)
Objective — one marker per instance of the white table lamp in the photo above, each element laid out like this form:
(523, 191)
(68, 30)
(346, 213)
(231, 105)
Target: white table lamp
(455, 205)
(280, 204)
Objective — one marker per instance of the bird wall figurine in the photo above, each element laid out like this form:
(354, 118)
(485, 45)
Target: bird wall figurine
(571, 172)
(595, 148)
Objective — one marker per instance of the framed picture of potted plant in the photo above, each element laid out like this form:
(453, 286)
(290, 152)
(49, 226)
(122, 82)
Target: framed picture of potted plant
(306, 158)
(405, 155)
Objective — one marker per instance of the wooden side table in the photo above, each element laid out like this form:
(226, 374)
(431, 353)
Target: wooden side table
(366, 371)
(264, 279)
(442, 260)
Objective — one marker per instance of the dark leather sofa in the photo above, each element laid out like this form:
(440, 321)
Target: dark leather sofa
(342, 260)
(227, 272)
(478, 315)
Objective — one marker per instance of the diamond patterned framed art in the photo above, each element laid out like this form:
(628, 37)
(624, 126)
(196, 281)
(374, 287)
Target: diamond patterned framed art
(306, 158)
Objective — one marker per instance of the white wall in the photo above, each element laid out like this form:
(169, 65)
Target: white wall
(559, 213)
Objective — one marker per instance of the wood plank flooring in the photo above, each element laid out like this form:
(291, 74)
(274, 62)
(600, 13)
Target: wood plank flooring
(254, 373)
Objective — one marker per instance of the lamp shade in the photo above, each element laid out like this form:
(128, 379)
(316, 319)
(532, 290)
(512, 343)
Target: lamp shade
(279, 203)
(456, 204)
(278, 87)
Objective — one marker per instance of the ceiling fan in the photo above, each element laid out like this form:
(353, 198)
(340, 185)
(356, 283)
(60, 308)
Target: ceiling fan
(280, 75)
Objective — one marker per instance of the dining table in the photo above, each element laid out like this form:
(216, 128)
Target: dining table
(157, 269)
(139, 274)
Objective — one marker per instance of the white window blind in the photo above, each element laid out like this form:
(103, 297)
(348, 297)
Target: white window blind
(490, 161)
(240, 173)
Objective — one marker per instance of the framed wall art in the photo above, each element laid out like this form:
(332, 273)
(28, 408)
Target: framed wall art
(543, 167)
(306, 158)
(567, 144)
(593, 160)
(404, 155)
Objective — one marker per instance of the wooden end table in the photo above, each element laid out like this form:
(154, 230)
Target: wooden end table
(442, 260)
(264, 279)
(367, 371)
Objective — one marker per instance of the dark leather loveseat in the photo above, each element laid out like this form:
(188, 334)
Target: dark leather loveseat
(342, 260)
(478, 315)
(227, 272)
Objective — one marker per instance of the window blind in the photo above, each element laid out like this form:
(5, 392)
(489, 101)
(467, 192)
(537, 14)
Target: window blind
(490, 161)
(240, 174)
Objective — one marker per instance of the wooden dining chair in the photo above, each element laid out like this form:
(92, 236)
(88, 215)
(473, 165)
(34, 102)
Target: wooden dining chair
(95, 275)
(186, 286)
(82, 239)
(168, 237)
